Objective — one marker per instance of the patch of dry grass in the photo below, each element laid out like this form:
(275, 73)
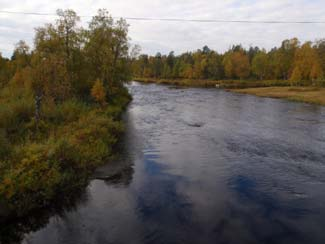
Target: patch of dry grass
(179, 82)
(228, 84)
(301, 94)
(261, 88)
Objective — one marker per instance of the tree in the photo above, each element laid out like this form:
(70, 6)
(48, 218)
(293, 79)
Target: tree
(171, 59)
(296, 75)
(6, 71)
(236, 64)
(320, 49)
(228, 65)
(98, 92)
(157, 65)
(107, 49)
(21, 55)
(135, 52)
(316, 72)
(260, 64)
(214, 66)
(252, 52)
(306, 60)
(50, 65)
(285, 58)
(241, 65)
(68, 33)
(206, 50)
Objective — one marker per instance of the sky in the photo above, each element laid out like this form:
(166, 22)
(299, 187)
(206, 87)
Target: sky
(158, 36)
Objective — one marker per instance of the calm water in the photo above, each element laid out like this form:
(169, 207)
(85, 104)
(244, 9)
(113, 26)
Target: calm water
(204, 166)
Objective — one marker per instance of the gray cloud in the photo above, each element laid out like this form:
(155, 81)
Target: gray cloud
(166, 36)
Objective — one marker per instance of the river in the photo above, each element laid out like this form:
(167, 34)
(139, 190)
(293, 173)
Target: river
(203, 166)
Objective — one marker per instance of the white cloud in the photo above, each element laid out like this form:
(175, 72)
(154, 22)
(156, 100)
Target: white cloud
(166, 36)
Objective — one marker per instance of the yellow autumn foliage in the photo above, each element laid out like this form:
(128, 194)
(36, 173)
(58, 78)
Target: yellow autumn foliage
(98, 92)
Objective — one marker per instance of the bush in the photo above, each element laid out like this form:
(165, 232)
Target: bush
(15, 115)
(65, 112)
(90, 139)
(31, 181)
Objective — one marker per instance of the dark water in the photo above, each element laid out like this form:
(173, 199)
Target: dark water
(205, 166)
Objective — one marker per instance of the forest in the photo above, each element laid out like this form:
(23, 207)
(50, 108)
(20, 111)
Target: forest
(293, 62)
(60, 110)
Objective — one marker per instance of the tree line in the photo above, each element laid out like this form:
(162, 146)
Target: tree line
(291, 61)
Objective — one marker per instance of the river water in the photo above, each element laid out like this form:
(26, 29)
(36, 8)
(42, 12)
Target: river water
(204, 166)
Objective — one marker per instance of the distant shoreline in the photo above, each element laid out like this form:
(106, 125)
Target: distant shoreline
(262, 88)
(313, 95)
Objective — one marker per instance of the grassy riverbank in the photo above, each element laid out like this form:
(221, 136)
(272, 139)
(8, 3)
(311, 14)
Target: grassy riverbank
(300, 94)
(229, 84)
(265, 88)
(39, 164)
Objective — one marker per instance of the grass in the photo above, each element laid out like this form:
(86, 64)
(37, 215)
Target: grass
(178, 82)
(312, 95)
(301, 92)
(228, 84)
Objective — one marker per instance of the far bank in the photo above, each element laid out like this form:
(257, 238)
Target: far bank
(314, 95)
(283, 89)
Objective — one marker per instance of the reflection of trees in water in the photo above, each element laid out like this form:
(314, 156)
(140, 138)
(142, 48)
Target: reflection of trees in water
(120, 171)
(124, 177)
(13, 231)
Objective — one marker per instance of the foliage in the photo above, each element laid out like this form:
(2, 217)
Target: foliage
(98, 92)
(280, 63)
(52, 132)
(32, 179)
(296, 75)
(260, 65)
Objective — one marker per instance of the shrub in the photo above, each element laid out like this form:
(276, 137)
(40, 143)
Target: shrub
(14, 116)
(65, 112)
(90, 139)
(32, 179)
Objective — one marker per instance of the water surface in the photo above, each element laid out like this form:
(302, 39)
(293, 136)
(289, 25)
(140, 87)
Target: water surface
(205, 166)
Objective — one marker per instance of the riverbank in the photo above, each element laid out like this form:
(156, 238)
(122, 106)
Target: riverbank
(228, 84)
(312, 95)
(46, 163)
(262, 88)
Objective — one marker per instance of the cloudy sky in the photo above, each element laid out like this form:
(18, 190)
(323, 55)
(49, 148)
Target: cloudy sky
(154, 36)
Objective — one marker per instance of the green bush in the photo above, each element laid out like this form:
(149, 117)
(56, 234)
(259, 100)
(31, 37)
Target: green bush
(65, 112)
(15, 115)
(90, 139)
